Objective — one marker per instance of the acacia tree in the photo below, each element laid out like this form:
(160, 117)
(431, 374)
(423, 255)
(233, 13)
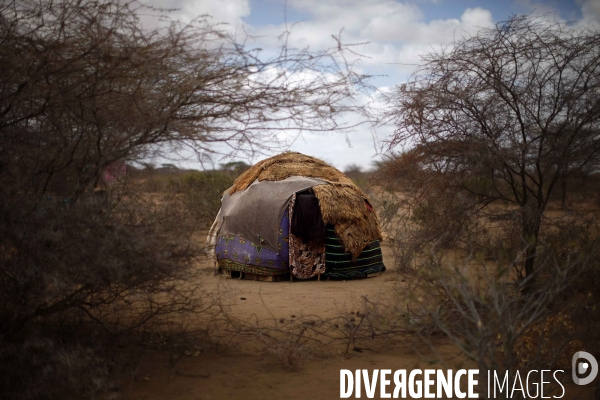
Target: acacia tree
(82, 85)
(504, 115)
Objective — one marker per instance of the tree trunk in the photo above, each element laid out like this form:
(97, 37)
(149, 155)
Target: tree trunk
(530, 253)
(563, 193)
(531, 230)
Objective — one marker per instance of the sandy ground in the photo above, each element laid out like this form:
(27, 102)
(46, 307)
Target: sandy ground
(248, 372)
(256, 377)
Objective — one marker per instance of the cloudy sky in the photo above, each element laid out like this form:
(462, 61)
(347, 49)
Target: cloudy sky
(397, 32)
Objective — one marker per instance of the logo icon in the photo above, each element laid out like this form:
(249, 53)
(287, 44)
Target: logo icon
(581, 368)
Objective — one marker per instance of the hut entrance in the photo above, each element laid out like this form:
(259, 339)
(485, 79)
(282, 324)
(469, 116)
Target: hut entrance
(307, 236)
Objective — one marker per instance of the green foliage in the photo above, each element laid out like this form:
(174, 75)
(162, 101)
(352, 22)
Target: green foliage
(359, 177)
(202, 191)
(235, 167)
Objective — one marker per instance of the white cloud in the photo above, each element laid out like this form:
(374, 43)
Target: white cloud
(376, 21)
(434, 32)
(537, 8)
(590, 10)
(398, 35)
(228, 12)
(395, 31)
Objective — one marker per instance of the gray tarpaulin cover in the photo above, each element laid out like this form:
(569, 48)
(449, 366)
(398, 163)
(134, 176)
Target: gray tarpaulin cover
(255, 213)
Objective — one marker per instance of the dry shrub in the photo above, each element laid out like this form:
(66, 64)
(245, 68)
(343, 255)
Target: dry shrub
(202, 192)
(85, 87)
(463, 260)
(87, 274)
(48, 369)
(548, 339)
(363, 324)
(481, 301)
(292, 351)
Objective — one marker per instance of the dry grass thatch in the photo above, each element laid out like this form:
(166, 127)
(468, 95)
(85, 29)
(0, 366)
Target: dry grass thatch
(342, 203)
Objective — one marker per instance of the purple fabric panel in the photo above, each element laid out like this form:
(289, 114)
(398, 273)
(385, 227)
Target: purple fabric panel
(244, 251)
(283, 238)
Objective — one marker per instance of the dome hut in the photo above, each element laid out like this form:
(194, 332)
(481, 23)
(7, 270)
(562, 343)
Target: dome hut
(295, 214)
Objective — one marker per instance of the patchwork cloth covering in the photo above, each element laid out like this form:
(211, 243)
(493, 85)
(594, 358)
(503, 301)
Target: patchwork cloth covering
(255, 213)
(235, 253)
(336, 227)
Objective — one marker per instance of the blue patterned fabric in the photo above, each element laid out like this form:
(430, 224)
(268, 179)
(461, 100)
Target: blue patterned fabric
(242, 251)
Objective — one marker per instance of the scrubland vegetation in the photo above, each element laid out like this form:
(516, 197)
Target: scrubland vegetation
(489, 193)
(91, 263)
(497, 194)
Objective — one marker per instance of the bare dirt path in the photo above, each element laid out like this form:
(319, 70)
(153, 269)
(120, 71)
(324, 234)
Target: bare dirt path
(248, 373)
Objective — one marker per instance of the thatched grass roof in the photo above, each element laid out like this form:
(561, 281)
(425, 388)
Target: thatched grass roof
(342, 203)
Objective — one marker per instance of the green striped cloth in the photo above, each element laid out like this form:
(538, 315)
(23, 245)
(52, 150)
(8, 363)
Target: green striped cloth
(339, 264)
